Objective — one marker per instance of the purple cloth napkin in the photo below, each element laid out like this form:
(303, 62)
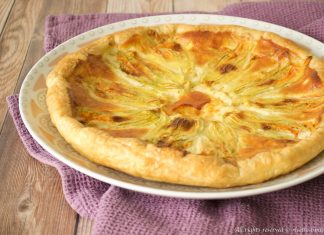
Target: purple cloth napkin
(119, 211)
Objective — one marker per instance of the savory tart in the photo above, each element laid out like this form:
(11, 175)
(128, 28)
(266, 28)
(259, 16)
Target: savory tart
(215, 106)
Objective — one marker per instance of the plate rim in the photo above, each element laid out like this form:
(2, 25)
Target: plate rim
(144, 188)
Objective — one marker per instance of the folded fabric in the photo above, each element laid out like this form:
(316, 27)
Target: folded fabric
(119, 211)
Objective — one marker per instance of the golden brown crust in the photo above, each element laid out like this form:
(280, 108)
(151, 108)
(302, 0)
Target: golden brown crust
(148, 161)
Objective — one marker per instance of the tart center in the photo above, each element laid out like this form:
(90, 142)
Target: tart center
(191, 103)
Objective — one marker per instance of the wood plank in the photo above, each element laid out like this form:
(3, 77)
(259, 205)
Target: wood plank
(84, 226)
(205, 5)
(5, 8)
(140, 6)
(31, 192)
(13, 46)
(31, 196)
(86, 7)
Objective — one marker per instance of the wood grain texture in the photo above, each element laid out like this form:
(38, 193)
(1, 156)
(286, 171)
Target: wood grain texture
(5, 8)
(84, 226)
(31, 196)
(140, 6)
(205, 5)
(13, 46)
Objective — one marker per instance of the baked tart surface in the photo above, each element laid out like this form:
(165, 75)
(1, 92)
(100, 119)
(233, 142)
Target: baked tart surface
(215, 106)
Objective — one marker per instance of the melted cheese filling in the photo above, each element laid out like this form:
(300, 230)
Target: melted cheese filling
(200, 92)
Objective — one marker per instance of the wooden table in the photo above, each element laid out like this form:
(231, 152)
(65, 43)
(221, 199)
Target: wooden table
(31, 197)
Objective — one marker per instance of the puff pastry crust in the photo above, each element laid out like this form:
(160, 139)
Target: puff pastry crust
(215, 106)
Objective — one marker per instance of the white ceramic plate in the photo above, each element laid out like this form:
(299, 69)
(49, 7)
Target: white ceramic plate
(36, 117)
